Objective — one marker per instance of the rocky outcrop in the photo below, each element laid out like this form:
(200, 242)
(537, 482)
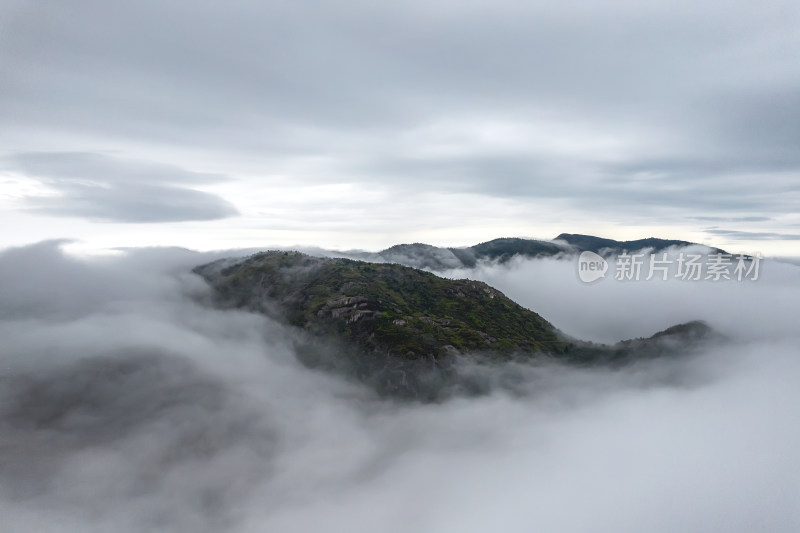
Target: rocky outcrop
(400, 328)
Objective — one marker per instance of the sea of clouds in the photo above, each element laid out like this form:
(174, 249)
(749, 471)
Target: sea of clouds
(129, 403)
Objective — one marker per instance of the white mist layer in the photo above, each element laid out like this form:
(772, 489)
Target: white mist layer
(610, 310)
(128, 404)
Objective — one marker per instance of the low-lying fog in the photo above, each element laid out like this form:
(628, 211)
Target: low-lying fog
(128, 404)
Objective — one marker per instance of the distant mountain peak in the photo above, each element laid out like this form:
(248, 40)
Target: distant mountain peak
(611, 246)
(503, 249)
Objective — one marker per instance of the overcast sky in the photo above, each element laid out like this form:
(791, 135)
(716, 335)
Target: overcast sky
(364, 124)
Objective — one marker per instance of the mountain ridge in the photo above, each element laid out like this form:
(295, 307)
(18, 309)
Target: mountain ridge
(402, 329)
(503, 249)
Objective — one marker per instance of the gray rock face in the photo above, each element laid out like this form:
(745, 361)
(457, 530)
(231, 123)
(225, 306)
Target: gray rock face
(402, 329)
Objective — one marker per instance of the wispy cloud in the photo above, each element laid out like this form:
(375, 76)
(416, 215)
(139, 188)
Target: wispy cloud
(106, 188)
(753, 235)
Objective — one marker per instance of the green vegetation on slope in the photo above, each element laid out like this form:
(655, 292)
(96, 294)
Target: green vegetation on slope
(384, 308)
(398, 328)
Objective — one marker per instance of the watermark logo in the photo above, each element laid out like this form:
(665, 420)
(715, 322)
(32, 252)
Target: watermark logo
(684, 267)
(591, 267)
